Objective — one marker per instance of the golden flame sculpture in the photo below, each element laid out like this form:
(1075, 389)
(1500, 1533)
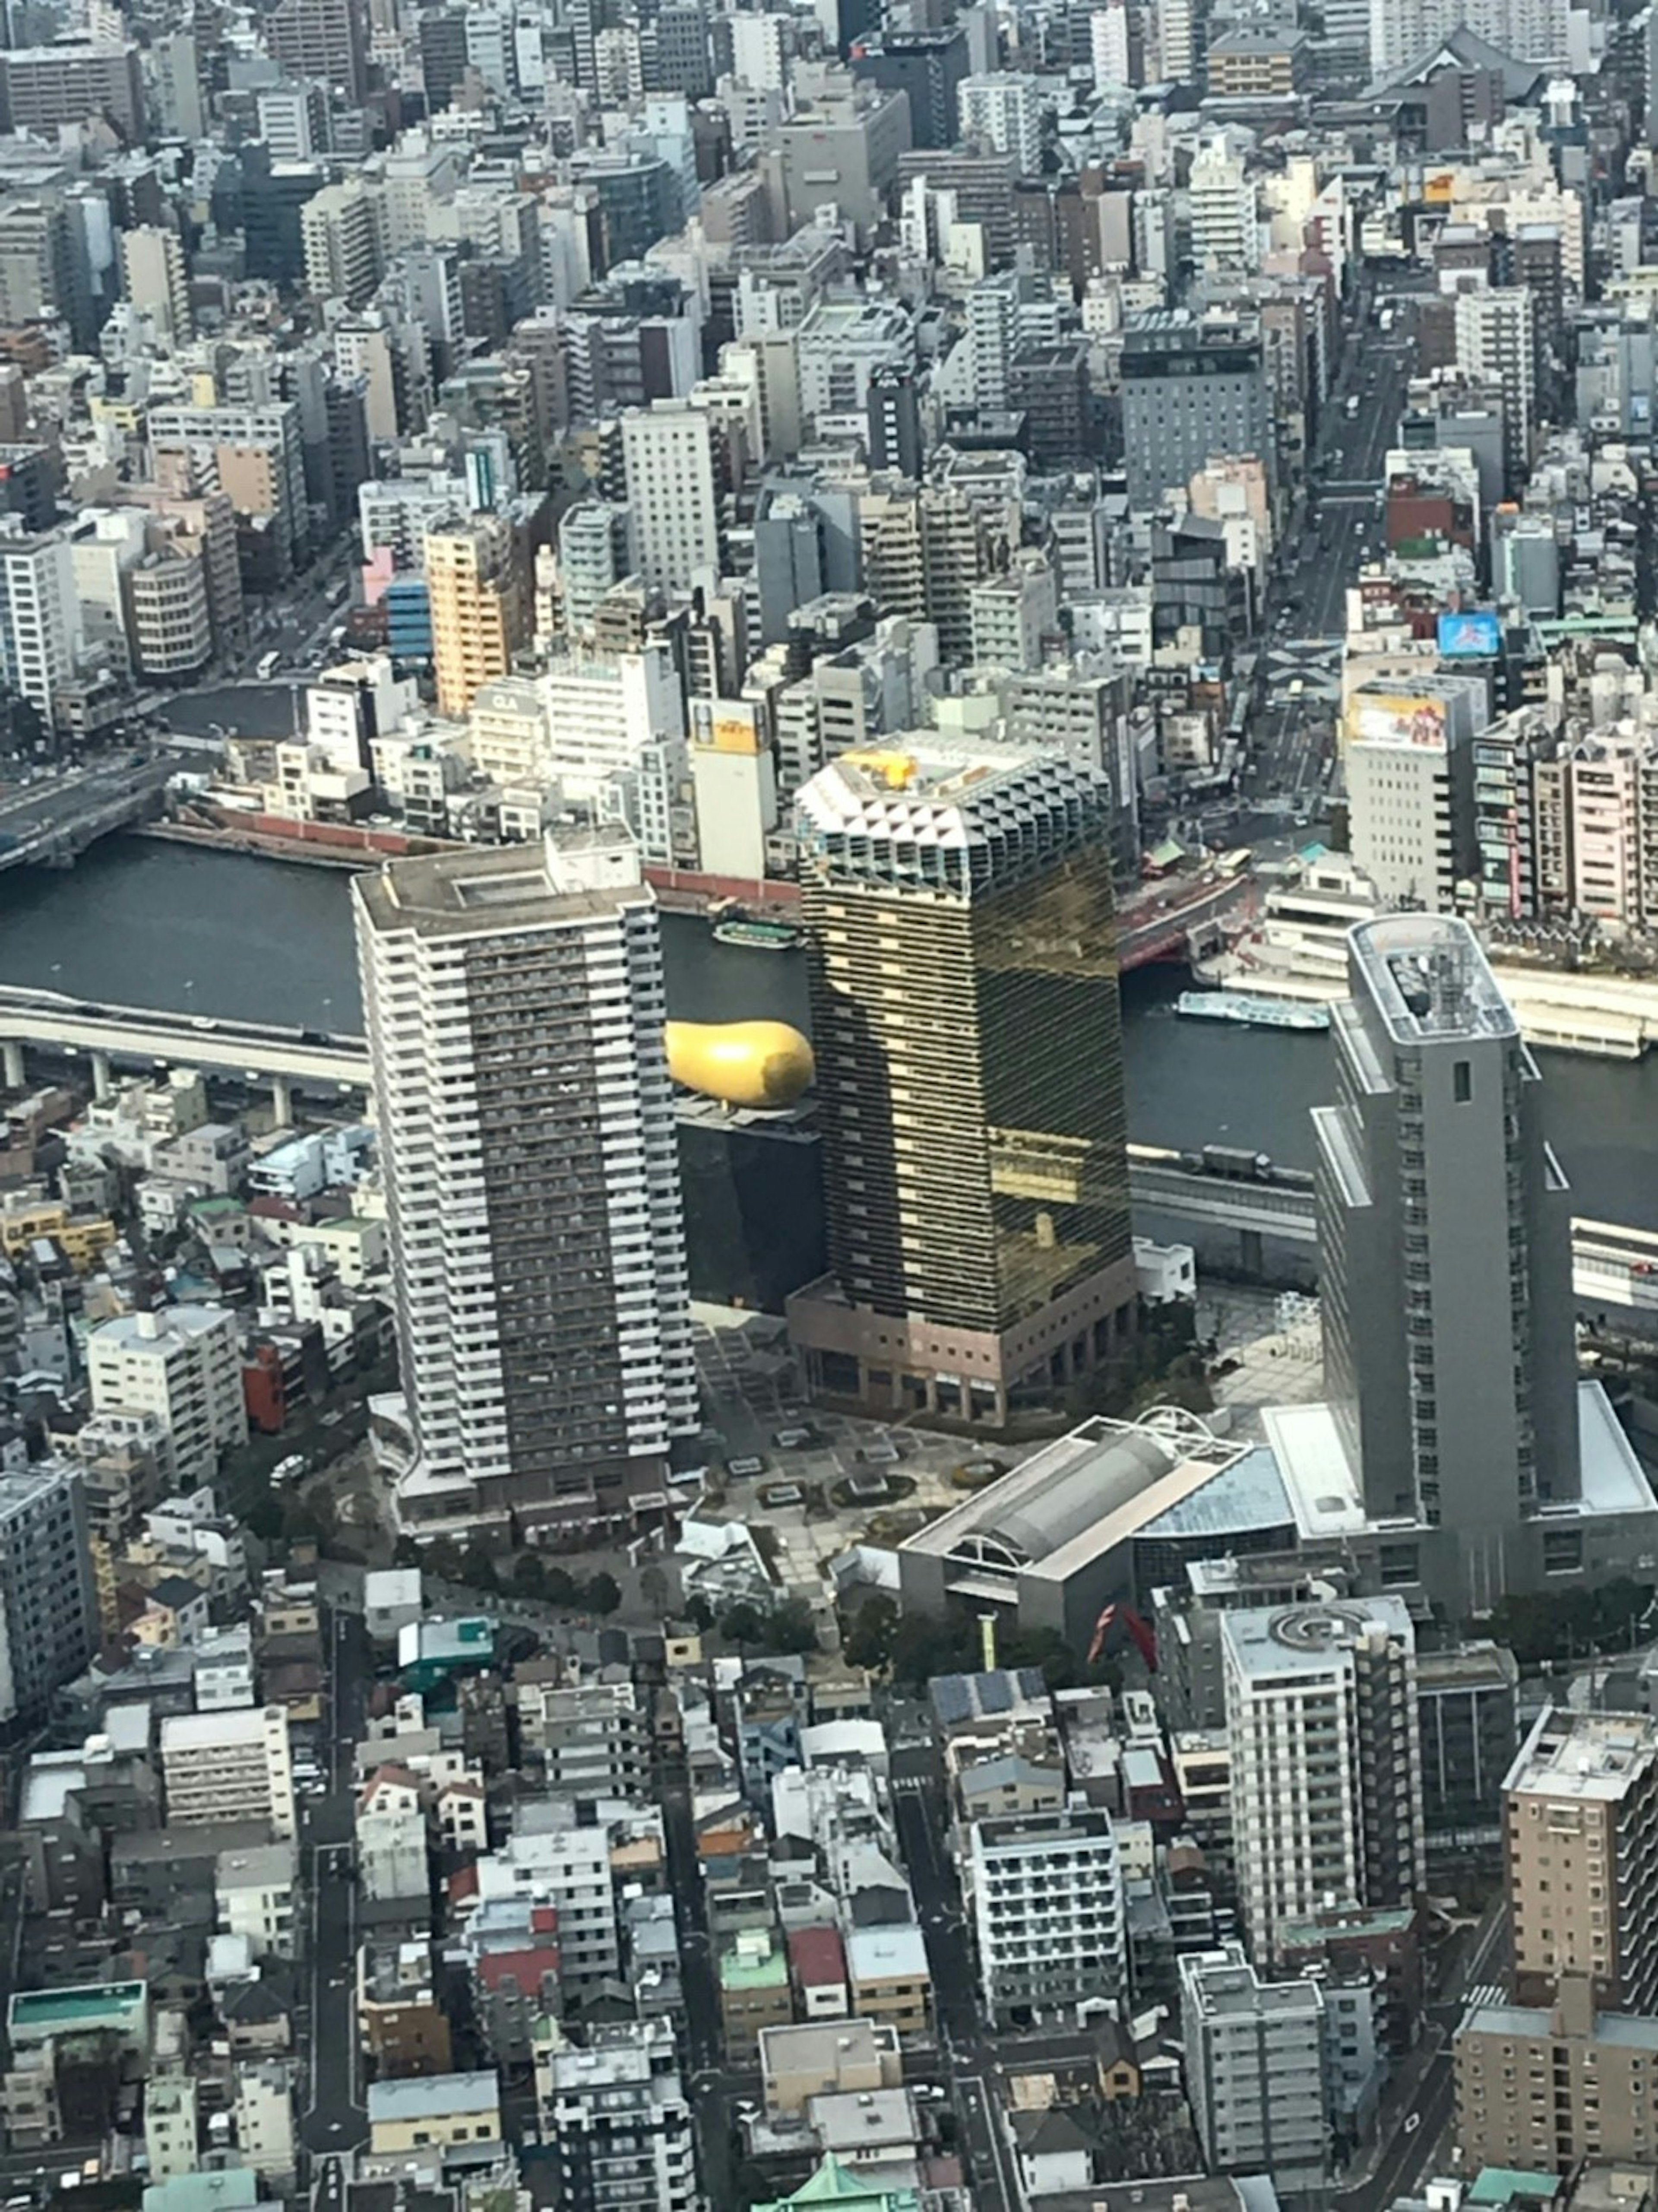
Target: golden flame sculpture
(764, 1065)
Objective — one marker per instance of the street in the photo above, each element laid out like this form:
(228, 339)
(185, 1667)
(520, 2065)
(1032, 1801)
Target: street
(1336, 526)
(335, 2119)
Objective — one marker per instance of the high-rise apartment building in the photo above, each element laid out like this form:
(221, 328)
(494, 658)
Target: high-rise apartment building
(667, 456)
(44, 268)
(340, 232)
(1255, 2070)
(1225, 225)
(515, 1011)
(39, 617)
(594, 553)
(1580, 1851)
(479, 590)
(958, 909)
(1497, 339)
(49, 1627)
(1046, 1893)
(1191, 391)
(1327, 1766)
(1444, 1227)
(154, 277)
(1005, 112)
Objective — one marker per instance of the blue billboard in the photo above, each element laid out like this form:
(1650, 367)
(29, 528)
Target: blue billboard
(1469, 636)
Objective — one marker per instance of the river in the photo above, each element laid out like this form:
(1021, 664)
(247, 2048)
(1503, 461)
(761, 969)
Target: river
(144, 923)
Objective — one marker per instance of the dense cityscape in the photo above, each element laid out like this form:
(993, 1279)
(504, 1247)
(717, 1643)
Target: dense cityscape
(670, 1541)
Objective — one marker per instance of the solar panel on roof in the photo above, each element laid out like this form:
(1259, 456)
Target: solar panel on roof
(950, 1699)
(995, 1694)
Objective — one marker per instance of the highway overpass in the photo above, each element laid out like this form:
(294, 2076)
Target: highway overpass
(151, 1036)
(1611, 1264)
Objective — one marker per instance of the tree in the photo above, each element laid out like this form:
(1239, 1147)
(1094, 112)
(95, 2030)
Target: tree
(603, 1594)
(792, 1627)
(406, 1553)
(700, 1613)
(866, 1639)
(442, 1559)
(528, 1576)
(741, 1624)
(477, 1567)
(264, 1518)
(563, 1588)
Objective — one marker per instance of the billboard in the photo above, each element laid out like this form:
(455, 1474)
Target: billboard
(1397, 718)
(1469, 635)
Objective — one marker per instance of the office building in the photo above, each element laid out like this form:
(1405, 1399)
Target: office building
(894, 421)
(1467, 1703)
(538, 1260)
(1003, 112)
(928, 67)
(49, 1625)
(1579, 1852)
(1045, 1890)
(1255, 2070)
(1191, 391)
(44, 269)
(1458, 1399)
(43, 87)
(957, 903)
(619, 2121)
(182, 1365)
(236, 1765)
(154, 278)
(479, 591)
(325, 39)
(667, 456)
(39, 616)
(1326, 1765)
(1410, 789)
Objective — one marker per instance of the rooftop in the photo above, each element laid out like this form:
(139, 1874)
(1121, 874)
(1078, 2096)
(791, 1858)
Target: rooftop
(1080, 1497)
(1596, 1755)
(1301, 1639)
(1428, 978)
(575, 875)
(437, 2096)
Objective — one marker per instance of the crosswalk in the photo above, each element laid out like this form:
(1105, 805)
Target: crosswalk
(1486, 1993)
(1315, 662)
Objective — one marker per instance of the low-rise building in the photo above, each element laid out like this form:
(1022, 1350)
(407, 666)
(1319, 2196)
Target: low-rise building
(439, 2111)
